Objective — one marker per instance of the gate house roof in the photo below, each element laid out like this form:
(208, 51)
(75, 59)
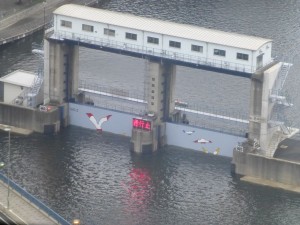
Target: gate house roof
(162, 27)
(20, 78)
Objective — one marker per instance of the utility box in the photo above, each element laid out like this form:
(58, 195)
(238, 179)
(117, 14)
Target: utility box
(16, 87)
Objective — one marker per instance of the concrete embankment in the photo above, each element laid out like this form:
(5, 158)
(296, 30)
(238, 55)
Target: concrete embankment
(16, 130)
(270, 183)
(24, 119)
(274, 172)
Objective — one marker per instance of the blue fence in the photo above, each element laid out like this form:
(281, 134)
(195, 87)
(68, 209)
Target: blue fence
(34, 201)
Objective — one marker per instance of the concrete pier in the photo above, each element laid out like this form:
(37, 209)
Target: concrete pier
(266, 132)
(261, 107)
(161, 84)
(281, 171)
(61, 71)
(161, 77)
(256, 160)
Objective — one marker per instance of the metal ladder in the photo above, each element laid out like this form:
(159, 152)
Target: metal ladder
(283, 74)
(276, 96)
(39, 79)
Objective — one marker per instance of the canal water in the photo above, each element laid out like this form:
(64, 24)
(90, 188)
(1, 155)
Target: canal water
(81, 174)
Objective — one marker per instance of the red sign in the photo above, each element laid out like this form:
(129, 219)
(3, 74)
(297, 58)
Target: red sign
(141, 124)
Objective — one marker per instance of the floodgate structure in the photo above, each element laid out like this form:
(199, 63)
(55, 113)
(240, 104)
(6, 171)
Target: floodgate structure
(57, 98)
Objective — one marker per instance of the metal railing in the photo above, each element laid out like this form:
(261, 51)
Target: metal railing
(138, 109)
(206, 117)
(34, 201)
(102, 42)
(112, 92)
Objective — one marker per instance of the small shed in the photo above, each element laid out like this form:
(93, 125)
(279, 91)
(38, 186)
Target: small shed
(14, 85)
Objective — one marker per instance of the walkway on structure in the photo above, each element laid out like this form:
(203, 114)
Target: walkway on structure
(23, 208)
(25, 22)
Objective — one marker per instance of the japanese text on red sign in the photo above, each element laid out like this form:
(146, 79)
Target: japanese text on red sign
(141, 124)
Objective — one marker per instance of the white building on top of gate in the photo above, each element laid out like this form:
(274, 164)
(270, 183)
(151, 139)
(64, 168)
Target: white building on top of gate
(162, 38)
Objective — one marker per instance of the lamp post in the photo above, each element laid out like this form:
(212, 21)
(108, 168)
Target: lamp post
(8, 129)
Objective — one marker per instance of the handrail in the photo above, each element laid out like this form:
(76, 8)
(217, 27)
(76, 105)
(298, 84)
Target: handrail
(52, 214)
(154, 51)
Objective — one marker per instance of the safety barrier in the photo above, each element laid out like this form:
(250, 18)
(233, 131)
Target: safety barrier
(34, 201)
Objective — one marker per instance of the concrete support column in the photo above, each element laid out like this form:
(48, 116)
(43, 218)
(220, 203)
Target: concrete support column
(261, 107)
(161, 90)
(255, 110)
(160, 100)
(143, 141)
(61, 71)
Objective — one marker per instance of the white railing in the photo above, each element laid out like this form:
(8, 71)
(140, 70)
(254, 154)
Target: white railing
(196, 60)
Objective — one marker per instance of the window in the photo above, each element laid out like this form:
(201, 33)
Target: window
(131, 36)
(197, 48)
(153, 40)
(219, 52)
(65, 23)
(174, 44)
(109, 32)
(88, 28)
(242, 56)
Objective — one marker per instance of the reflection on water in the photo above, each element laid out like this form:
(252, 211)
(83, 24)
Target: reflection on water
(81, 174)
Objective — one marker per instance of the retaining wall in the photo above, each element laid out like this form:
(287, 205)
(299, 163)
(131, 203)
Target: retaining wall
(272, 169)
(28, 118)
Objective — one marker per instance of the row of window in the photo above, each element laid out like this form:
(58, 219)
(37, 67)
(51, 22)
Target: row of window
(153, 40)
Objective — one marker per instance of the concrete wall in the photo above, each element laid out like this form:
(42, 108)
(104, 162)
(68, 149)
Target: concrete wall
(27, 118)
(226, 142)
(12, 91)
(272, 169)
(119, 123)
(141, 141)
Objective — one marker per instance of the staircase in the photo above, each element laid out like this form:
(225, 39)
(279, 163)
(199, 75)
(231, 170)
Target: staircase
(282, 75)
(281, 103)
(39, 79)
(275, 94)
(35, 88)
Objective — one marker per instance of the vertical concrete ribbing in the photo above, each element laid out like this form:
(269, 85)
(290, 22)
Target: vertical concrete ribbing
(162, 82)
(61, 71)
(255, 106)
